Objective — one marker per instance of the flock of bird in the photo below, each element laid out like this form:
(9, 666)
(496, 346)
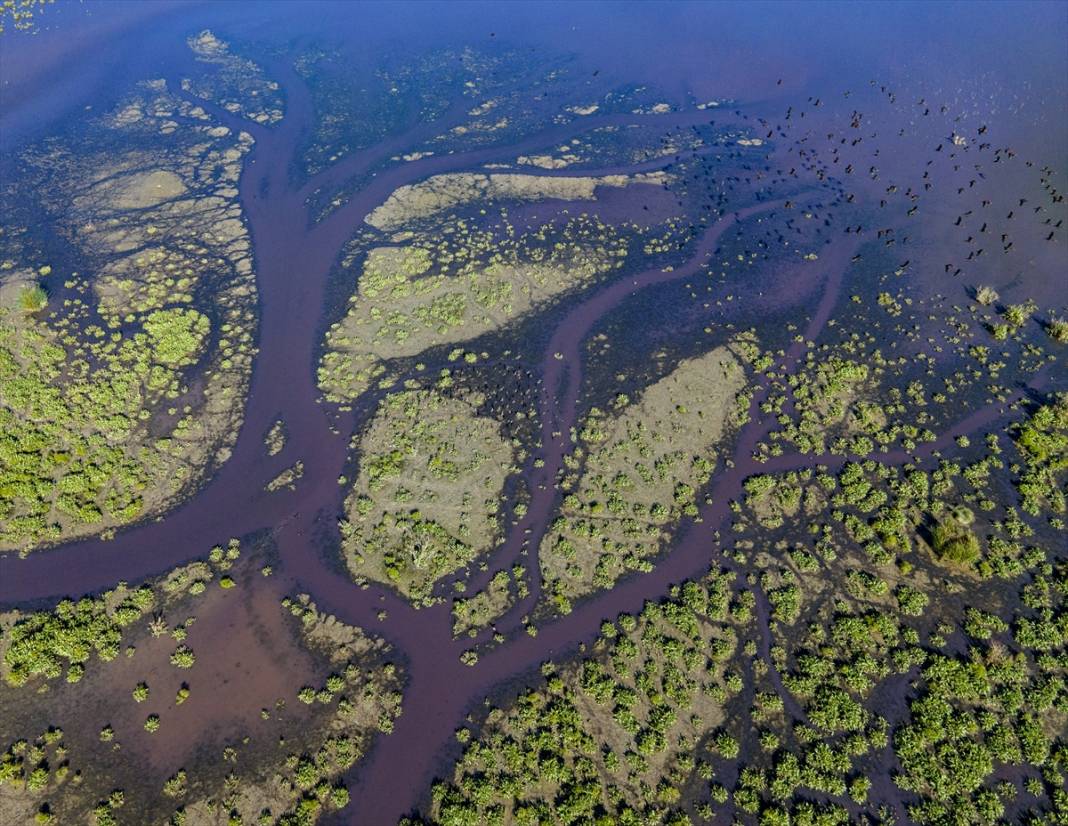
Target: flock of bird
(954, 177)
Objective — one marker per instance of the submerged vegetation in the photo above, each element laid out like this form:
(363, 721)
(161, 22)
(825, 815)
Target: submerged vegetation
(869, 571)
(291, 763)
(121, 385)
(694, 496)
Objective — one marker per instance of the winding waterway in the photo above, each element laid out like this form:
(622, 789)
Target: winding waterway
(294, 259)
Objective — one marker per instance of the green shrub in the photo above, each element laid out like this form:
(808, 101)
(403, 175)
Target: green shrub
(33, 299)
(954, 543)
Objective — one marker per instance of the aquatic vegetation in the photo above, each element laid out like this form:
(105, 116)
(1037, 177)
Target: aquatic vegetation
(287, 479)
(986, 295)
(426, 499)
(821, 394)
(290, 767)
(33, 299)
(118, 400)
(238, 84)
(440, 193)
(1043, 442)
(360, 697)
(1004, 708)
(607, 734)
(42, 644)
(424, 294)
(954, 543)
(601, 338)
(21, 14)
(643, 465)
(481, 609)
(275, 438)
(1058, 329)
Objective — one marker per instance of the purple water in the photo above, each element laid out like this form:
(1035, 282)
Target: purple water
(690, 51)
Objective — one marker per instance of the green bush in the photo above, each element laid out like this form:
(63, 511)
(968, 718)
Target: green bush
(33, 299)
(954, 543)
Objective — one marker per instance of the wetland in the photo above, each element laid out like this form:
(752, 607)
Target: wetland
(459, 414)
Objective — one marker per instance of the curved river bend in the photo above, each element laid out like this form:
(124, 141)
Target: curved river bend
(294, 260)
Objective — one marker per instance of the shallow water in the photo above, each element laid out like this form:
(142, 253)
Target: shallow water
(945, 52)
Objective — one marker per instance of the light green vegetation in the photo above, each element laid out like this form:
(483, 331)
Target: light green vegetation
(113, 403)
(287, 479)
(855, 397)
(238, 85)
(822, 393)
(872, 569)
(610, 736)
(1043, 442)
(974, 712)
(953, 542)
(280, 762)
(774, 498)
(903, 653)
(33, 298)
(47, 644)
(1057, 328)
(641, 467)
(441, 193)
(275, 438)
(481, 609)
(452, 287)
(34, 764)
(686, 742)
(20, 14)
(426, 499)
